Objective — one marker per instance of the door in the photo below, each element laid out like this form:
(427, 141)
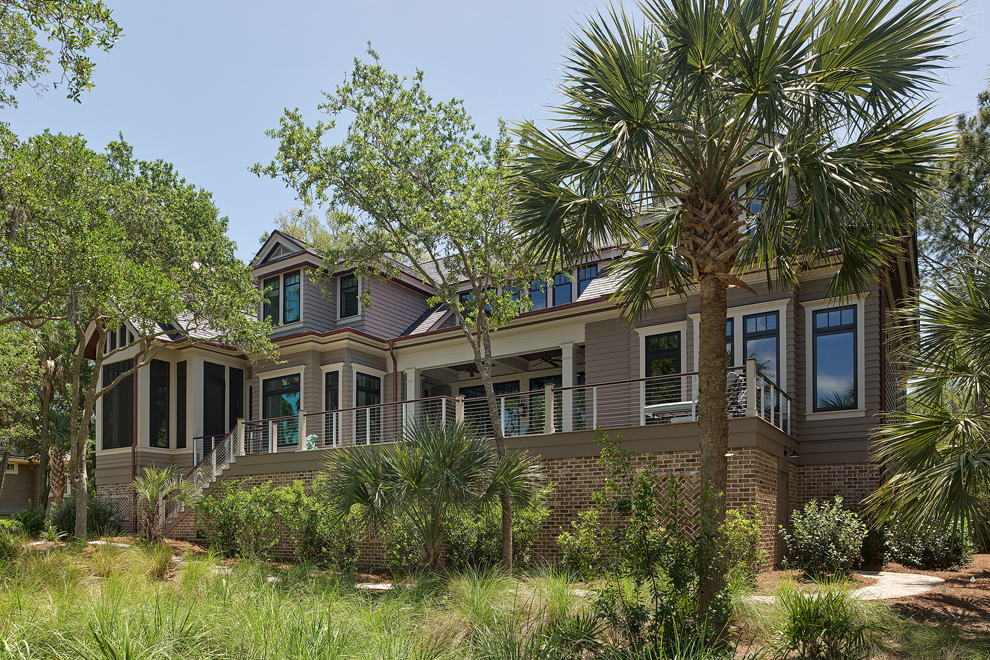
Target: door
(214, 405)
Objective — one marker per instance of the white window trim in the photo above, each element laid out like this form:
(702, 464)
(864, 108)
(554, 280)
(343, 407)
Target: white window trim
(367, 371)
(360, 292)
(809, 357)
(678, 326)
(278, 327)
(12, 467)
(324, 369)
(278, 373)
(736, 314)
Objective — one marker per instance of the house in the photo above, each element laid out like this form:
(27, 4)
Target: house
(20, 485)
(808, 381)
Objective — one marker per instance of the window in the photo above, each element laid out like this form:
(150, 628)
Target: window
(118, 406)
(290, 294)
(236, 412)
(585, 275)
(761, 340)
(214, 408)
(477, 416)
(161, 372)
(181, 405)
(271, 300)
(12, 468)
(561, 289)
(280, 398)
(332, 401)
(834, 368)
(368, 422)
(754, 206)
(663, 358)
(729, 336)
(538, 294)
(283, 302)
(349, 303)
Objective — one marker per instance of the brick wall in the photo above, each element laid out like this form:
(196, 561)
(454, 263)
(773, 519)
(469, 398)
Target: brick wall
(122, 497)
(852, 481)
(19, 489)
(752, 481)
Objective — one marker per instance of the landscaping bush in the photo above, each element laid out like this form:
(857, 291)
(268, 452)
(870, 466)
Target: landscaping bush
(827, 625)
(403, 547)
(239, 522)
(32, 520)
(929, 548)
(11, 543)
(11, 526)
(474, 538)
(741, 534)
(317, 534)
(825, 539)
(581, 547)
(102, 516)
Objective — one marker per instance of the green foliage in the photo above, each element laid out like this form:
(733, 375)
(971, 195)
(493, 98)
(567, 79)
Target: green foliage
(103, 517)
(32, 520)
(11, 543)
(77, 26)
(317, 533)
(11, 526)
(825, 539)
(424, 481)
(240, 522)
(928, 548)
(154, 486)
(741, 535)
(474, 538)
(580, 546)
(827, 625)
(403, 546)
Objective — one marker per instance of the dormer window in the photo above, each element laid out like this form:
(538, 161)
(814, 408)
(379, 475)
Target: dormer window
(118, 339)
(349, 297)
(283, 300)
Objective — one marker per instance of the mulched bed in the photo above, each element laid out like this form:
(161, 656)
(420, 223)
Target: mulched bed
(964, 598)
(767, 583)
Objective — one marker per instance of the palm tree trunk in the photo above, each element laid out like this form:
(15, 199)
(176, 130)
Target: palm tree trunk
(46, 405)
(504, 498)
(713, 429)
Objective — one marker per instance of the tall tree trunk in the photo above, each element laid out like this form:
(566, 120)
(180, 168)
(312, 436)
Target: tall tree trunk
(57, 476)
(47, 392)
(79, 488)
(505, 499)
(713, 429)
(3, 468)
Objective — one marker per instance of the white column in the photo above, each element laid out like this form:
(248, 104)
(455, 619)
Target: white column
(413, 384)
(569, 379)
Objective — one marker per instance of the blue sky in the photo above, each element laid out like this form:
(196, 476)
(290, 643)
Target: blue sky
(198, 83)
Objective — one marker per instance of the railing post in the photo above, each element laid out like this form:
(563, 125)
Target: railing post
(642, 403)
(459, 408)
(302, 429)
(501, 415)
(548, 408)
(240, 436)
(271, 437)
(443, 412)
(751, 394)
(694, 397)
(213, 454)
(594, 408)
(367, 426)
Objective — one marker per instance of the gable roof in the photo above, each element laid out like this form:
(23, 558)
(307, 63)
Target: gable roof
(281, 246)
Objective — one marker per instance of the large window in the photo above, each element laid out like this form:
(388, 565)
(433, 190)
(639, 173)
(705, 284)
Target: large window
(283, 298)
(834, 337)
(761, 341)
(280, 398)
(663, 358)
(214, 408)
(538, 294)
(290, 291)
(368, 422)
(729, 338)
(236, 397)
(478, 417)
(182, 405)
(349, 303)
(118, 406)
(561, 289)
(158, 408)
(585, 275)
(332, 402)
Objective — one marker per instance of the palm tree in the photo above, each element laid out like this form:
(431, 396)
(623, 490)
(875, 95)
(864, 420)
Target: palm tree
(154, 487)
(937, 454)
(435, 472)
(720, 137)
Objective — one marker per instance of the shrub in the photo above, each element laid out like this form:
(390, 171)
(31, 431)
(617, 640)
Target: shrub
(32, 520)
(11, 526)
(825, 538)
(403, 547)
(741, 535)
(316, 532)
(581, 547)
(474, 537)
(102, 516)
(828, 625)
(240, 522)
(928, 548)
(11, 544)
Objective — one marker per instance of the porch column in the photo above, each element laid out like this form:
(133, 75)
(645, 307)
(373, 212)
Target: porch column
(413, 380)
(568, 379)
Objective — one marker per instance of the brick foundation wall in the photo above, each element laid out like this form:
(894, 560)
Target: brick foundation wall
(852, 481)
(122, 497)
(752, 481)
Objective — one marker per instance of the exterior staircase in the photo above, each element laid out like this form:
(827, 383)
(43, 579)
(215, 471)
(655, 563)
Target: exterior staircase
(203, 476)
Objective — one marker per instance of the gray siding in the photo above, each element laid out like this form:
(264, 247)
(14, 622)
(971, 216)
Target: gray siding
(319, 303)
(18, 490)
(393, 308)
(606, 352)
